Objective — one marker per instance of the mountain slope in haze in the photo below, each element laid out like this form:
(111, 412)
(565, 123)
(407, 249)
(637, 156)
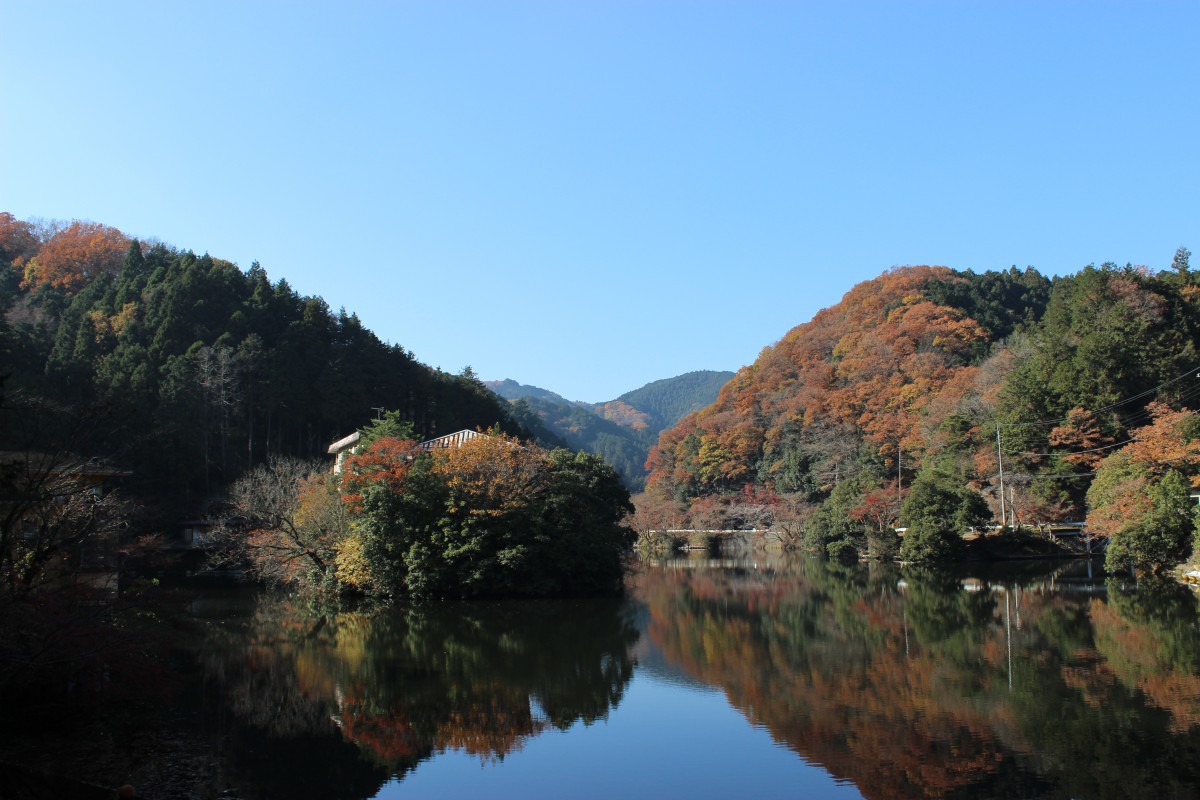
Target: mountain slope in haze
(623, 430)
(669, 400)
(511, 390)
(624, 448)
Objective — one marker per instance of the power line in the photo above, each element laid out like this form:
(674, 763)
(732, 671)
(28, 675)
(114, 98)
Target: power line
(1092, 450)
(1139, 396)
(1074, 452)
(1067, 477)
(1145, 414)
(1141, 416)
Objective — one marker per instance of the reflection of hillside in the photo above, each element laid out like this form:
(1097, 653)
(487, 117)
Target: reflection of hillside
(909, 692)
(1153, 646)
(401, 685)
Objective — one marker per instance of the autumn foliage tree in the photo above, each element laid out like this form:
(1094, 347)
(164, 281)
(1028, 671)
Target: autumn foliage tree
(1170, 442)
(486, 532)
(18, 240)
(384, 462)
(1082, 437)
(879, 509)
(491, 517)
(1140, 498)
(75, 256)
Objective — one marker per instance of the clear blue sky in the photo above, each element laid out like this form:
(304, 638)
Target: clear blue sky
(588, 196)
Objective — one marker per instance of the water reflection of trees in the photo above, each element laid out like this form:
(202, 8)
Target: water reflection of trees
(400, 685)
(911, 685)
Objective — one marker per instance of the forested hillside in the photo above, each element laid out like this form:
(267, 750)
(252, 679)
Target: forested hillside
(187, 370)
(920, 380)
(623, 447)
(622, 431)
(667, 401)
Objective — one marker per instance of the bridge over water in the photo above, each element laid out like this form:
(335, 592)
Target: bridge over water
(706, 538)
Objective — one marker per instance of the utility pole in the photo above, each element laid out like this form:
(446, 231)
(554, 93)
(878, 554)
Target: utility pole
(1008, 632)
(899, 474)
(1000, 460)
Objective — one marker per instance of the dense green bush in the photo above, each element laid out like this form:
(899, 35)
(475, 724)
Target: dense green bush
(939, 509)
(493, 518)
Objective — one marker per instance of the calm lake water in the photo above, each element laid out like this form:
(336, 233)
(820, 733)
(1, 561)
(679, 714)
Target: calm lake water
(720, 678)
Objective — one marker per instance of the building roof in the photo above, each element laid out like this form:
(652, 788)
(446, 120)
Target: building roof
(345, 443)
(450, 440)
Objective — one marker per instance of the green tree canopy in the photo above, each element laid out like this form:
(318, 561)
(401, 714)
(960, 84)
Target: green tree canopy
(939, 509)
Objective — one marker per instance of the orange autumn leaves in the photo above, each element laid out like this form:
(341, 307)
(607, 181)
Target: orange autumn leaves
(69, 259)
(492, 475)
(495, 471)
(1129, 482)
(875, 364)
(1169, 442)
(1080, 433)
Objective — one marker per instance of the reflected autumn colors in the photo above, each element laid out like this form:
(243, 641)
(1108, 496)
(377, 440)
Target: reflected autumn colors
(386, 690)
(919, 683)
(1024, 680)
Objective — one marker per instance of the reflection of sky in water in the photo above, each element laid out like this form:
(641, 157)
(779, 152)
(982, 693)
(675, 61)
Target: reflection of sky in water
(664, 740)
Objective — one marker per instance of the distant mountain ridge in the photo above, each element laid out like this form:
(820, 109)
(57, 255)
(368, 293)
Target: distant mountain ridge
(623, 430)
(511, 390)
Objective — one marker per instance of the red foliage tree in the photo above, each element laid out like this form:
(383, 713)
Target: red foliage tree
(385, 461)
